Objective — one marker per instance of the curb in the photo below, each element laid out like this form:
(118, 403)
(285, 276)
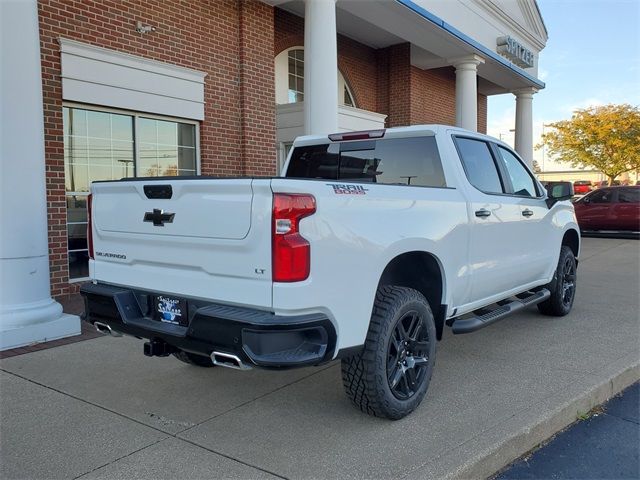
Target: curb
(502, 452)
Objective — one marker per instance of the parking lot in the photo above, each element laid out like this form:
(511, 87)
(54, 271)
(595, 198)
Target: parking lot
(100, 409)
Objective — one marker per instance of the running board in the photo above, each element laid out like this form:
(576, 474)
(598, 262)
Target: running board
(484, 318)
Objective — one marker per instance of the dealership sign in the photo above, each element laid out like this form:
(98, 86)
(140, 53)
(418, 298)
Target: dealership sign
(514, 51)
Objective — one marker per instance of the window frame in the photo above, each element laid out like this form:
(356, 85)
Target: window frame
(282, 73)
(136, 116)
(364, 182)
(503, 174)
(347, 90)
(493, 157)
(504, 171)
(587, 199)
(284, 149)
(619, 190)
(136, 153)
(295, 74)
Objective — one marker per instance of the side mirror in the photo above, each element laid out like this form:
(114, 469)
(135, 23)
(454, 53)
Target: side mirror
(557, 191)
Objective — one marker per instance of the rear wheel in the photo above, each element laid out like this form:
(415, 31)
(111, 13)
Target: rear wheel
(390, 377)
(193, 359)
(562, 287)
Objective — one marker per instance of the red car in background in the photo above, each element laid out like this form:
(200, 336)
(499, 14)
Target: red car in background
(581, 187)
(610, 209)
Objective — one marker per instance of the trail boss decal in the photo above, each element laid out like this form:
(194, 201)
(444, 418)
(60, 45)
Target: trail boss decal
(344, 189)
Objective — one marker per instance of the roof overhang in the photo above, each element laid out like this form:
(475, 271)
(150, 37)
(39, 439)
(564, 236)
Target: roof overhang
(434, 42)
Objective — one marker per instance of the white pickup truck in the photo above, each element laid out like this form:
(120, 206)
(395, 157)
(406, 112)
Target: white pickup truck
(364, 250)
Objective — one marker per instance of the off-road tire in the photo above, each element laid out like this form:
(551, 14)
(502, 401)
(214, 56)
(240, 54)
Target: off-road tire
(193, 359)
(558, 304)
(365, 375)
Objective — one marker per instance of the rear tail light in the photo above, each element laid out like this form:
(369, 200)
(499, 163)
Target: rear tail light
(89, 227)
(291, 252)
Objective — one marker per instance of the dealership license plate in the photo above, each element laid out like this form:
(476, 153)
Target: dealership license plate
(171, 310)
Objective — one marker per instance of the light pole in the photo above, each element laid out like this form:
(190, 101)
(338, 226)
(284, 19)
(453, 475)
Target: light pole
(126, 166)
(544, 146)
(500, 135)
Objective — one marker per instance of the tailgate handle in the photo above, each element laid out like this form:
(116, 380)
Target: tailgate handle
(158, 191)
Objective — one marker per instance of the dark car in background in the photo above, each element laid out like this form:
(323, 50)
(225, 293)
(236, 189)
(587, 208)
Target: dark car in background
(605, 183)
(581, 187)
(610, 209)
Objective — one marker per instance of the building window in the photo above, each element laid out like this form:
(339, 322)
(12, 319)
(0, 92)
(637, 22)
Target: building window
(347, 97)
(296, 76)
(289, 65)
(283, 153)
(106, 145)
(165, 148)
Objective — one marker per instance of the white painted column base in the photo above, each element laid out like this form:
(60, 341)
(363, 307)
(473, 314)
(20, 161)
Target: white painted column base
(61, 327)
(28, 314)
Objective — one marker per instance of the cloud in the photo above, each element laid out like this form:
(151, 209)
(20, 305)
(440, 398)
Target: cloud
(543, 74)
(625, 93)
(500, 126)
(585, 103)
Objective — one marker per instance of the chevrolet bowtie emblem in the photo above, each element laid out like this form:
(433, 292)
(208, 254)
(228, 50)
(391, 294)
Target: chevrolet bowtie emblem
(158, 217)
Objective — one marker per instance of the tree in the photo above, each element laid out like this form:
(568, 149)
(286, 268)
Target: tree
(536, 167)
(606, 138)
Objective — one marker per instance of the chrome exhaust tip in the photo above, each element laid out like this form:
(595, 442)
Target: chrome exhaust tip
(228, 360)
(105, 329)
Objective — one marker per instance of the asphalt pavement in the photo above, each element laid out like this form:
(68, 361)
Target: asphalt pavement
(100, 409)
(606, 444)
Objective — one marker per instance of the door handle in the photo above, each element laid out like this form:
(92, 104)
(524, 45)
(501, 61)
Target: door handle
(527, 213)
(483, 213)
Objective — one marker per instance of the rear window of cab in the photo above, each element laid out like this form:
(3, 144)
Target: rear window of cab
(395, 161)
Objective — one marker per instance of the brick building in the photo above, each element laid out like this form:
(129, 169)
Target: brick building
(122, 88)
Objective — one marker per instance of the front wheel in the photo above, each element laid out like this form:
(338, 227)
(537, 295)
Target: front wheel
(390, 377)
(562, 287)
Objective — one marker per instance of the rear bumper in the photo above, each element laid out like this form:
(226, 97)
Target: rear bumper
(256, 337)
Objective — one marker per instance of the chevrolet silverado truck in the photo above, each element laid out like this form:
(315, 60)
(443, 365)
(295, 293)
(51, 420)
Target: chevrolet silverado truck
(365, 249)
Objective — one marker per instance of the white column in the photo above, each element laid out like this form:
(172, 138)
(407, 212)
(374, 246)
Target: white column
(320, 67)
(524, 124)
(467, 91)
(28, 314)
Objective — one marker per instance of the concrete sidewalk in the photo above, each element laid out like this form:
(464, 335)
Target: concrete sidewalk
(100, 409)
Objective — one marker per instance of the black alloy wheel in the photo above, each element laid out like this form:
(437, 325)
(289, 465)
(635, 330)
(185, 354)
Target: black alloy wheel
(568, 281)
(562, 287)
(390, 376)
(408, 355)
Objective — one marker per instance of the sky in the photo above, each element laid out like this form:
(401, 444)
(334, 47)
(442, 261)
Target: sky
(592, 58)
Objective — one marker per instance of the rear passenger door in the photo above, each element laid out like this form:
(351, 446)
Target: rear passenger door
(626, 209)
(496, 254)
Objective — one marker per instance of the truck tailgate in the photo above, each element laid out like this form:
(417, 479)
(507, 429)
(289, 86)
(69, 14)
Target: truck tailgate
(203, 237)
